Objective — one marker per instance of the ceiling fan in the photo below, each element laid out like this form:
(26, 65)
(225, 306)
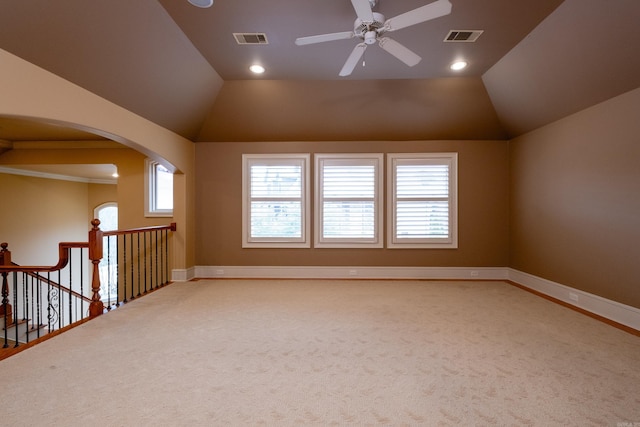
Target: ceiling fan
(370, 27)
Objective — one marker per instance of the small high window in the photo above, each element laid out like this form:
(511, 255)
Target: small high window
(159, 186)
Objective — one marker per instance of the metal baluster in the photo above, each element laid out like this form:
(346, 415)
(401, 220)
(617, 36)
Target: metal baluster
(166, 256)
(5, 303)
(124, 268)
(118, 273)
(27, 308)
(15, 304)
(39, 305)
(70, 287)
(81, 284)
(158, 282)
(132, 281)
(108, 273)
(144, 238)
(153, 282)
(139, 264)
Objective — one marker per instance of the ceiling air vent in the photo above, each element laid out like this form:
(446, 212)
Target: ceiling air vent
(251, 38)
(464, 36)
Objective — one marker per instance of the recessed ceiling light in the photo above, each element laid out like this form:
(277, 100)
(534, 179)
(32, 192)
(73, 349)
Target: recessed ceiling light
(258, 69)
(458, 65)
(201, 3)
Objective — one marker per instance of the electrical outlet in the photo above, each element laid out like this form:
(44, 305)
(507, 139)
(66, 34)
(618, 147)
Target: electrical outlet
(474, 273)
(573, 296)
(219, 272)
(353, 272)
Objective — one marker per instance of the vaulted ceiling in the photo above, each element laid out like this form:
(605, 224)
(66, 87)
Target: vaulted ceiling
(180, 66)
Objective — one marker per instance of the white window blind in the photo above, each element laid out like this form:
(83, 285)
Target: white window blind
(274, 200)
(423, 206)
(348, 200)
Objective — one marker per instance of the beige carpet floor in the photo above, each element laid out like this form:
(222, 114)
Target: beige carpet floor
(323, 353)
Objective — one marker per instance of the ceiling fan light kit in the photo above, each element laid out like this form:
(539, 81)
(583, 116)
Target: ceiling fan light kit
(370, 27)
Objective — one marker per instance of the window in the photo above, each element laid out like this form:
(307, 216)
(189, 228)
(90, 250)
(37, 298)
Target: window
(423, 206)
(348, 200)
(107, 213)
(275, 211)
(159, 186)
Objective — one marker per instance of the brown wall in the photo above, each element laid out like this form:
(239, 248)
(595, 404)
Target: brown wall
(357, 110)
(575, 200)
(483, 207)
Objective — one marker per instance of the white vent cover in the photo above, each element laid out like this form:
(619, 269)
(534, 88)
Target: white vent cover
(251, 38)
(463, 36)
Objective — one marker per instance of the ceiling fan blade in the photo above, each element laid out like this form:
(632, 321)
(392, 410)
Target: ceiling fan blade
(399, 51)
(353, 59)
(416, 16)
(363, 10)
(324, 38)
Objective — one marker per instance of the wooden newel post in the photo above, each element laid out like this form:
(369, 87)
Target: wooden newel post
(96, 308)
(5, 308)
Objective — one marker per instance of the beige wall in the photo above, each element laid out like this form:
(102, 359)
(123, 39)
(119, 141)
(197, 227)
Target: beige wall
(99, 194)
(30, 206)
(32, 93)
(130, 164)
(575, 200)
(483, 213)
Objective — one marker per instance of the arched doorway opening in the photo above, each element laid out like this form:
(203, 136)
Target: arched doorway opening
(107, 213)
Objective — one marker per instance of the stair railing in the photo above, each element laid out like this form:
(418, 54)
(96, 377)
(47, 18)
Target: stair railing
(136, 262)
(39, 302)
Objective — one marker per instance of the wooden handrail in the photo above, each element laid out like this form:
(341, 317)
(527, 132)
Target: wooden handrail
(171, 227)
(63, 259)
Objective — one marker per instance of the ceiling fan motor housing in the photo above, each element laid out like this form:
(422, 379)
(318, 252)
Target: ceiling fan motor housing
(369, 31)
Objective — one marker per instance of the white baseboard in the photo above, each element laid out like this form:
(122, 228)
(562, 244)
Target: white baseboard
(612, 310)
(314, 272)
(183, 275)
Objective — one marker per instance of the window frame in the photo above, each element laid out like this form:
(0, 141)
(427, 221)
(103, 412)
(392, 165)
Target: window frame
(395, 242)
(151, 187)
(375, 159)
(249, 160)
